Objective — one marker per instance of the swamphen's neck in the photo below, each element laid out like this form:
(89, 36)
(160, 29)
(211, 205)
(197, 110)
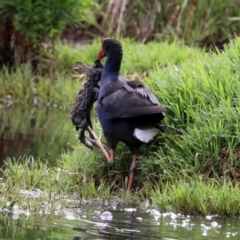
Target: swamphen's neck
(112, 67)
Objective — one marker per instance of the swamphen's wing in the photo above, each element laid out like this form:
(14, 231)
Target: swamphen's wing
(124, 99)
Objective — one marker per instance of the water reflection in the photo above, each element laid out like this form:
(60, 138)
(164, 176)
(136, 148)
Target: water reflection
(127, 222)
(31, 131)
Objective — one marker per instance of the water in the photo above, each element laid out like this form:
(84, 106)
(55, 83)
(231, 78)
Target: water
(40, 132)
(96, 220)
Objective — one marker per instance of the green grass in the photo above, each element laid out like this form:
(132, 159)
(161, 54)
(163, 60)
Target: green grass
(58, 82)
(76, 178)
(196, 196)
(202, 100)
(138, 57)
(192, 167)
(22, 86)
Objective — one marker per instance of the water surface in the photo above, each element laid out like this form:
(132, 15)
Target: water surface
(42, 132)
(95, 220)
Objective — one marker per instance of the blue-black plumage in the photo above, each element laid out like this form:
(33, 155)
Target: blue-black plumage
(127, 110)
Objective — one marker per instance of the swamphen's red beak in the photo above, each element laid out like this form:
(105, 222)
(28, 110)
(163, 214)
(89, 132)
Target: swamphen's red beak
(101, 54)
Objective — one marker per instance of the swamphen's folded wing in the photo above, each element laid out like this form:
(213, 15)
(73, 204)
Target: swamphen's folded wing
(123, 100)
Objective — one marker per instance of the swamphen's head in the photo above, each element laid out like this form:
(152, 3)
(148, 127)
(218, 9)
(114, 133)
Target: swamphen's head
(109, 45)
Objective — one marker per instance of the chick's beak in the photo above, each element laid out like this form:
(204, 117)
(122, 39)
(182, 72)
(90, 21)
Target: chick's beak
(101, 54)
(78, 70)
(80, 67)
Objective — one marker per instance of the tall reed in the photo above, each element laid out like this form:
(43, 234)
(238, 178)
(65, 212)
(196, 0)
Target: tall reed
(193, 22)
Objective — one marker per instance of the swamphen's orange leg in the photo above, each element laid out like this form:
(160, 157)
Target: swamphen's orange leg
(111, 158)
(132, 172)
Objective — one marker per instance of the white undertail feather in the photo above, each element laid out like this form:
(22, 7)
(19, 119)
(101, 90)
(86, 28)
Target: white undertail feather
(145, 135)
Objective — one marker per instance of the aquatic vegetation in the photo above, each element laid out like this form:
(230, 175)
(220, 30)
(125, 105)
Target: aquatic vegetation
(34, 186)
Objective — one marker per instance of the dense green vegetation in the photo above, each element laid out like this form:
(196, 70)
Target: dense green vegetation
(59, 82)
(28, 29)
(192, 167)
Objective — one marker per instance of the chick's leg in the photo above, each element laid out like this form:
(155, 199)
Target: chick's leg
(99, 144)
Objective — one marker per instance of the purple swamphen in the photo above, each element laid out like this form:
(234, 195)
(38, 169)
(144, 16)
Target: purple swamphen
(127, 110)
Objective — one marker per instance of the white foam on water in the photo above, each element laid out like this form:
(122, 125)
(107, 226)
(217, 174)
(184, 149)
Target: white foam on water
(204, 233)
(130, 209)
(155, 213)
(210, 217)
(214, 224)
(107, 216)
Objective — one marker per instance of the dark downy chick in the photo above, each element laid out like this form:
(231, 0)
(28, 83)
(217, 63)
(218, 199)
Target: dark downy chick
(86, 96)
